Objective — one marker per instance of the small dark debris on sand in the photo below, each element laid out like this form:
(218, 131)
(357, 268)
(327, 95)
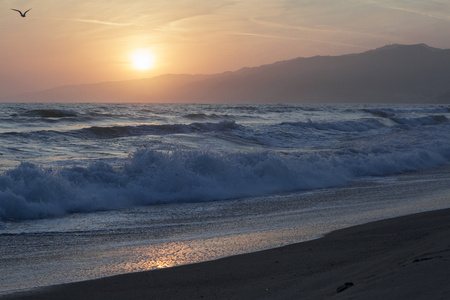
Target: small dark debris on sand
(344, 287)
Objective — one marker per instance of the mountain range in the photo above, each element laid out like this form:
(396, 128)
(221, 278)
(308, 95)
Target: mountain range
(390, 74)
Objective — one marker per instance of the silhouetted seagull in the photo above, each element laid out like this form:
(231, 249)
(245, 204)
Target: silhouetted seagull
(23, 15)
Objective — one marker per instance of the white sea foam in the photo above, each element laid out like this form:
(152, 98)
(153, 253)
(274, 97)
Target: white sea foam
(57, 159)
(74, 157)
(151, 177)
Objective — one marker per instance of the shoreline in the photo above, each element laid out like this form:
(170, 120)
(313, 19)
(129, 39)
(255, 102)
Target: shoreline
(403, 257)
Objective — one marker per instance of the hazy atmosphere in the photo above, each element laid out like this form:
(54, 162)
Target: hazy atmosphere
(250, 149)
(76, 42)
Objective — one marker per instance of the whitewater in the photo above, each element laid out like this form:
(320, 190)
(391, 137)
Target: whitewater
(93, 190)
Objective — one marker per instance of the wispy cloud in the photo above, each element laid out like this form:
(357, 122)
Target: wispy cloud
(284, 26)
(197, 24)
(438, 11)
(422, 13)
(103, 22)
(177, 25)
(315, 29)
(270, 36)
(298, 38)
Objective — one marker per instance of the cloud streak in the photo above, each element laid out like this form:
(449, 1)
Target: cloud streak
(298, 38)
(103, 22)
(198, 36)
(419, 11)
(320, 30)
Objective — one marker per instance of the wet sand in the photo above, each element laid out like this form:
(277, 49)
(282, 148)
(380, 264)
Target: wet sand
(401, 258)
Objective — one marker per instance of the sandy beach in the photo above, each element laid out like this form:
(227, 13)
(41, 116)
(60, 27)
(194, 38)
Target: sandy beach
(401, 258)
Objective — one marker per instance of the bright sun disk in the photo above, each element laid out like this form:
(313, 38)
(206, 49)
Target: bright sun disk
(142, 60)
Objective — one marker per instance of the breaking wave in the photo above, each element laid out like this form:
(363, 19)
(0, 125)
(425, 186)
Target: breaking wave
(151, 177)
(228, 151)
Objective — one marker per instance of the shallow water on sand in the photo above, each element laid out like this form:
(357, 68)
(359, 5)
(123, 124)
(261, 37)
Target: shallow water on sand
(92, 190)
(93, 245)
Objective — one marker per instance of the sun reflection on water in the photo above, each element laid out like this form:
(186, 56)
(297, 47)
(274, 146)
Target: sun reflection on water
(170, 254)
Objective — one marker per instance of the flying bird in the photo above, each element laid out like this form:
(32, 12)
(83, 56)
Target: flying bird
(23, 15)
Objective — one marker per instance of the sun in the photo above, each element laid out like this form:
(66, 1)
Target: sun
(142, 60)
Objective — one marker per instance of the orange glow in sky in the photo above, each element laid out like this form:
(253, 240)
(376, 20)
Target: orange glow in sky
(78, 41)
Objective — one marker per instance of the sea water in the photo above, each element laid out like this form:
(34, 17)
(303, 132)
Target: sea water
(92, 190)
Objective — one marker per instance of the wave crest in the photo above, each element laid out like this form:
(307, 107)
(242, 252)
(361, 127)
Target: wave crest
(125, 131)
(344, 126)
(151, 177)
(51, 113)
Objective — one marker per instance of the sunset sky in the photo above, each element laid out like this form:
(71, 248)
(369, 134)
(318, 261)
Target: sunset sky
(77, 41)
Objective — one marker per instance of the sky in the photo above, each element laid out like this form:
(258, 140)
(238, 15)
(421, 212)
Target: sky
(77, 41)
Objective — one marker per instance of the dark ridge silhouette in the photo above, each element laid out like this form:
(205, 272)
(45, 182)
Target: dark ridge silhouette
(390, 74)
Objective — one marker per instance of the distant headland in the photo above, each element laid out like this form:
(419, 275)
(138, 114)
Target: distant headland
(390, 74)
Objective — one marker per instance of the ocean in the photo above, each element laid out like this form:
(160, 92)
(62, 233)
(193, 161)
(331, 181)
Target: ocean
(94, 190)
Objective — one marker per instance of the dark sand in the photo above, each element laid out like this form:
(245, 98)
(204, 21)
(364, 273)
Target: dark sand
(401, 258)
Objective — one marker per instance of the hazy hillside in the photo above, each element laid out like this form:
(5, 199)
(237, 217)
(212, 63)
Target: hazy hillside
(393, 73)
